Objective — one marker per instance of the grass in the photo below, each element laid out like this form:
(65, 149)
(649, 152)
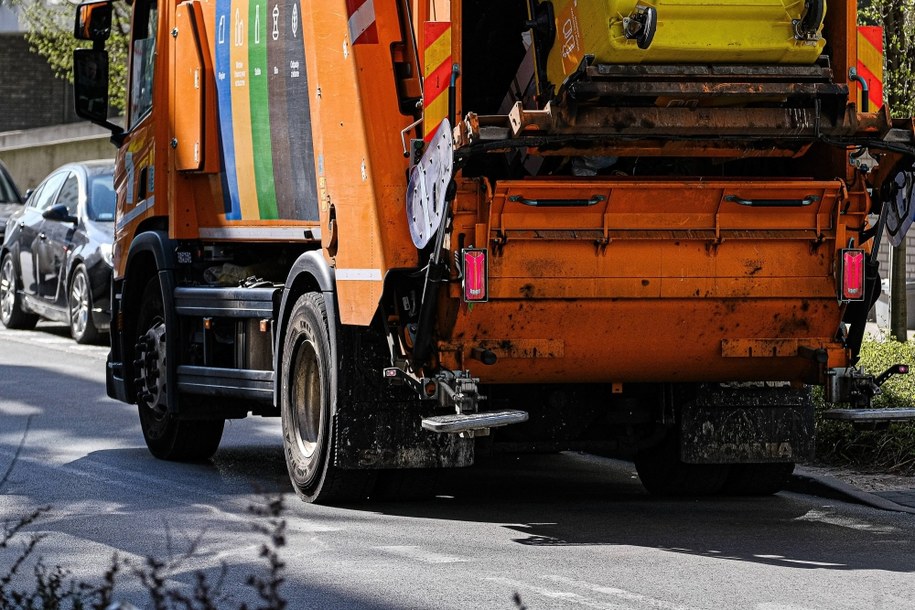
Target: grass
(887, 448)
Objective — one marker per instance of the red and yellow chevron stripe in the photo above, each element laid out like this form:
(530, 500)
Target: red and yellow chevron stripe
(436, 74)
(870, 63)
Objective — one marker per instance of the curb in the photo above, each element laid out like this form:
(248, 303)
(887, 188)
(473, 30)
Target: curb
(829, 487)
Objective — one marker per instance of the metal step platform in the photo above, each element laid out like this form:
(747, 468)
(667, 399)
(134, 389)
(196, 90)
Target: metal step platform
(473, 421)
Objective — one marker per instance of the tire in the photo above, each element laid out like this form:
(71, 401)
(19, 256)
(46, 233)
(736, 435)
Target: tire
(11, 312)
(308, 399)
(663, 473)
(79, 304)
(167, 436)
(757, 479)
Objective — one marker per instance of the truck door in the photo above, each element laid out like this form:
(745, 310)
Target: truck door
(137, 169)
(30, 233)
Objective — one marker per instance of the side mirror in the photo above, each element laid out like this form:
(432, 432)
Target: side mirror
(93, 21)
(59, 213)
(90, 87)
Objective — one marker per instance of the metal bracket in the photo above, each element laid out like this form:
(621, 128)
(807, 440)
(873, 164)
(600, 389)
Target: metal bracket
(641, 25)
(855, 387)
(862, 160)
(457, 390)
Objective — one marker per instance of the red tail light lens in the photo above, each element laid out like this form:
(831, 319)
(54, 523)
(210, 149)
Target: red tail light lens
(852, 275)
(476, 274)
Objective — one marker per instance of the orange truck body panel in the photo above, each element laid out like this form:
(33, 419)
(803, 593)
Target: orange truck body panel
(661, 280)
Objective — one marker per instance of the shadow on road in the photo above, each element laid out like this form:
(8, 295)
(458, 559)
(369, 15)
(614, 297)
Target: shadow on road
(581, 500)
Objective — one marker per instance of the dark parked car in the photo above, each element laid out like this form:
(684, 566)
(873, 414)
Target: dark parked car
(10, 198)
(55, 261)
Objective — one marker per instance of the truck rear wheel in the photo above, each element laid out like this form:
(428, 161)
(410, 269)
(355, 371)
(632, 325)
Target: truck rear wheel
(309, 394)
(663, 473)
(757, 479)
(167, 436)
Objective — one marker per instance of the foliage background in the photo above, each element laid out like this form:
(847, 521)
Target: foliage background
(50, 33)
(898, 20)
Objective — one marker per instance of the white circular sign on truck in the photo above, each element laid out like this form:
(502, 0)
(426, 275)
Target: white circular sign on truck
(428, 185)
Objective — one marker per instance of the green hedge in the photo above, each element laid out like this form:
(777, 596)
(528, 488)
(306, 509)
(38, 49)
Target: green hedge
(890, 448)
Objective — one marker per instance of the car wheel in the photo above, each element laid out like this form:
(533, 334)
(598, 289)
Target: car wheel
(167, 436)
(11, 312)
(82, 328)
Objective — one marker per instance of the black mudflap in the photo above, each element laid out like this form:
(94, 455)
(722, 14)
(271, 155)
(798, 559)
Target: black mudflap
(392, 437)
(747, 424)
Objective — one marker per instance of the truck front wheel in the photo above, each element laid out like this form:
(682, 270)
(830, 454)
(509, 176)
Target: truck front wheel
(167, 436)
(309, 391)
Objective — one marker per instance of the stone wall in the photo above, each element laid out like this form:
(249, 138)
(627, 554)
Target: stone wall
(30, 94)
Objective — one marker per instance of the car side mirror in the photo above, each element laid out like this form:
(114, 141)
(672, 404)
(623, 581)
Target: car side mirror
(59, 213)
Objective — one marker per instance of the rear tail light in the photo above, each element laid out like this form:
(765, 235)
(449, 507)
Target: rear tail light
(851, 275)
(476, 274)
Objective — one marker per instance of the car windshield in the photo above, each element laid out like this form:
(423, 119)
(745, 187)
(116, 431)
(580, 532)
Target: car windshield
(100, 204)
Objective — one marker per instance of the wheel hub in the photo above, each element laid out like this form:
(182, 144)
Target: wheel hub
(306, 398)
(79, 304)
(150, 367)
(7, 290)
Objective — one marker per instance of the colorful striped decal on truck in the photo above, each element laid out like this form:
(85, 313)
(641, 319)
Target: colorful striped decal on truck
(260, 109)
(262, 91)
(223, 67)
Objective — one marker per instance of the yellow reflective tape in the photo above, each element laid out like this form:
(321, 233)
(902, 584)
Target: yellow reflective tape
(870, 56)
(437, 53)
(435, 111)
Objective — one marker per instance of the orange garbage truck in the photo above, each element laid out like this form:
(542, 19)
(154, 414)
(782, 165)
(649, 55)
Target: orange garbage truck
(418, 231)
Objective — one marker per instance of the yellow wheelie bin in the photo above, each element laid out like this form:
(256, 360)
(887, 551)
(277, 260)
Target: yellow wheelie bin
(685, 31)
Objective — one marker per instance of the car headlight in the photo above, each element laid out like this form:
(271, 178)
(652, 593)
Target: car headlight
(106, 254)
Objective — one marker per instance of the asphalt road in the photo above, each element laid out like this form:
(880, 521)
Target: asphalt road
(559, 531)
